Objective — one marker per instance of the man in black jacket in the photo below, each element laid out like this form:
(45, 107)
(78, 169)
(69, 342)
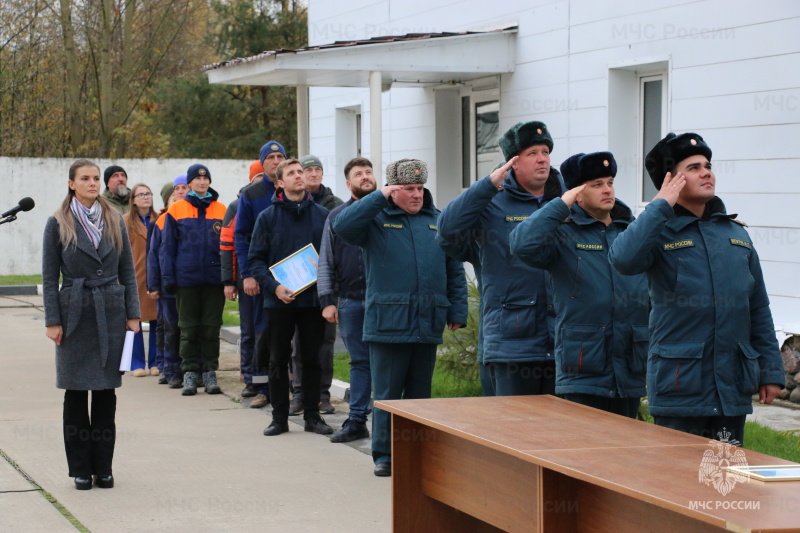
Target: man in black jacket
(289, 224)
(341, 285)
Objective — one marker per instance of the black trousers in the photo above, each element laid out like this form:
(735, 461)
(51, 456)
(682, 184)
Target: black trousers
(89, 439)
(311, 328)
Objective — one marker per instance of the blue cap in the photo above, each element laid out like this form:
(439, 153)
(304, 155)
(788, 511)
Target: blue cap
(269, 148)
(180, 180)
(197, 170)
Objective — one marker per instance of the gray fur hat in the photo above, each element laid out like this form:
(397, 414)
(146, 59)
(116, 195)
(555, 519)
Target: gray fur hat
(406, 171)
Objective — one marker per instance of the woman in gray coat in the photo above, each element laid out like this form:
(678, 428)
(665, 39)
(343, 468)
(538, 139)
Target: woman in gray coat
(87, 244)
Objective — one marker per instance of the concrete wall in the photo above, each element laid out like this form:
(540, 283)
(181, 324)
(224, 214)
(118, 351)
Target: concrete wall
(732, 76)
(45, 180)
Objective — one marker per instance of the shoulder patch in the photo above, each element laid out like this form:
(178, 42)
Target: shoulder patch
(739, 222)
(581, 246)
(743, 244)
(678, 245)
(217, 227)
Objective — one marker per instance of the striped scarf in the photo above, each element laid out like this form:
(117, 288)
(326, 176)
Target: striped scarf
(91, 219)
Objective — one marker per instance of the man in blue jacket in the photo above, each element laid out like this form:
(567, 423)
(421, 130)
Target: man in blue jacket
(292, 222)
(254, 199)
(601, 315)
(517, 347)
(413, 290)
(712, 343)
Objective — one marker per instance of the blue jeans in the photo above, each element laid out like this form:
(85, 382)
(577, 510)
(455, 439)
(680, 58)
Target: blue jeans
(399, 371)
(351, 328)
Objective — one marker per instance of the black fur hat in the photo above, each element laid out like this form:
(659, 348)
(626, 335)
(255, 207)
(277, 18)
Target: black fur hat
(522, 135)
(670, 151)
(580, 168)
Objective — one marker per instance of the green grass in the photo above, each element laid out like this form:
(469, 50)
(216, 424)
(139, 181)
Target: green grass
(230, 315)
(783, 444)
(32, 279)
(758, 438)
(443, 385)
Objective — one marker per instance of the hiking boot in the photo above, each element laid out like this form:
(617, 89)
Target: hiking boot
(176, 383)
(276, 428)
(189, 384)
(162, 380)
(210, 383)
(296, 407)
(249, 391)
(259, 401)
(317, 425)
(325, 408)
(351, 430)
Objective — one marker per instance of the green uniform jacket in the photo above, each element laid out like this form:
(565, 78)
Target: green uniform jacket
(413, 288)
(712, 340)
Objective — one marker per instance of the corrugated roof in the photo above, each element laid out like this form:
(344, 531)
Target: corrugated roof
(345, 44)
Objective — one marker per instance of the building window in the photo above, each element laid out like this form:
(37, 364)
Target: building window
(358, 134)
(480, 122)
(652, 119)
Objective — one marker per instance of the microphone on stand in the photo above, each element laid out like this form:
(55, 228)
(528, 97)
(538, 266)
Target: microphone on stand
(26, 204)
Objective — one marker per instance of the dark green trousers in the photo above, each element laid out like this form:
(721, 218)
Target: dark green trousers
(200, 317)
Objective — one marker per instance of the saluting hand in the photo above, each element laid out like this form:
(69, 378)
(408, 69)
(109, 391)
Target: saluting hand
(499, 174)
(570, 196)
(671, 188)
(388, 189)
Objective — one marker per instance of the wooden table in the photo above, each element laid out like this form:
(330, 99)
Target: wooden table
(538, 463)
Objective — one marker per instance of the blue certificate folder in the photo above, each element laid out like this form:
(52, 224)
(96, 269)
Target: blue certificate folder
(769, 472)
(298, 271)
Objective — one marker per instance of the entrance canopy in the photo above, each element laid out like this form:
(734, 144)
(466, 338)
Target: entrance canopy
(411, 60)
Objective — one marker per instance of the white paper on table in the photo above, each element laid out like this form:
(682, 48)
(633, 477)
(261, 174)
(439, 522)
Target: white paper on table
(127, 352)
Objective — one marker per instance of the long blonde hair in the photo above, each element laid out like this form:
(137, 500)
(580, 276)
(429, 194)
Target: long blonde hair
(66, 221)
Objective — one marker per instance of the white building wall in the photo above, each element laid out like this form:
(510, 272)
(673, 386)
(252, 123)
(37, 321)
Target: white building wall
(732, 77)
(45, 181)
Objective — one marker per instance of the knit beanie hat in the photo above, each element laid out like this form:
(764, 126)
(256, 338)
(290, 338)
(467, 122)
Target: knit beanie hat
(406, 171)
(670, 151)
(110, 171)
(180, 180)
(255, 169)
(196, 171)
(525, 134)
(580, 168)
(270, 147)
(166, 192)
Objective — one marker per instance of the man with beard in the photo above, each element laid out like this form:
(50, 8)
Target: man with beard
(341, 285)
(117, 192)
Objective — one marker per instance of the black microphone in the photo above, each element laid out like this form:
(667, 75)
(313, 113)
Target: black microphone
(26, 204)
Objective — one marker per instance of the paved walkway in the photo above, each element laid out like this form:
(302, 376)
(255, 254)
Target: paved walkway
(181, 464)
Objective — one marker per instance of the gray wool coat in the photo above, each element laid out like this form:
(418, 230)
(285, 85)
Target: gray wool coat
(97, 296)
